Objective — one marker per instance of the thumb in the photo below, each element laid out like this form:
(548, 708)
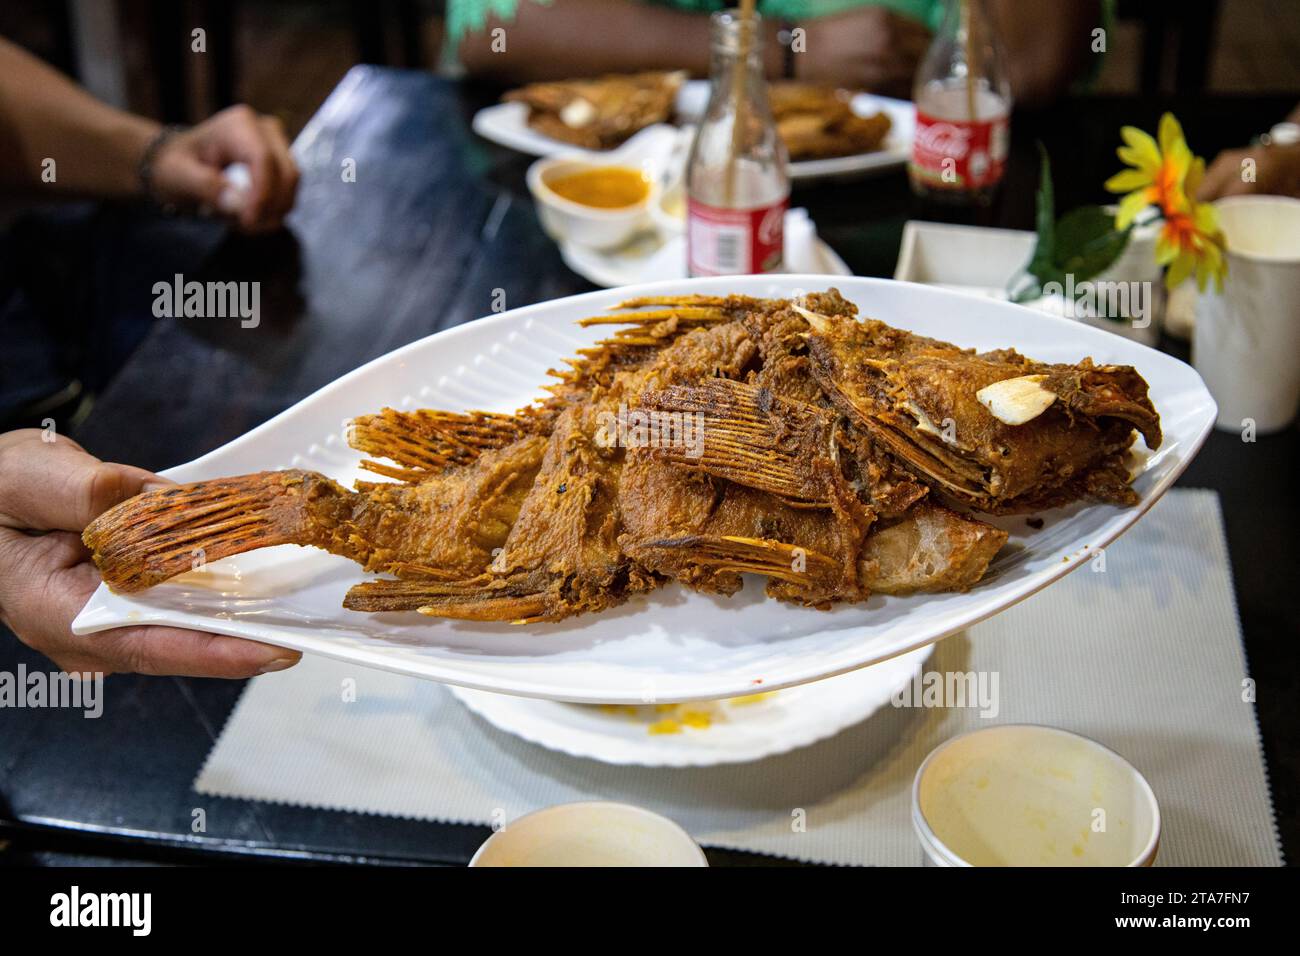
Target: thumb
(59, 487)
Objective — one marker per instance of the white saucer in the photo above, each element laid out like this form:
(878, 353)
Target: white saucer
(741, 729)
(650, 257)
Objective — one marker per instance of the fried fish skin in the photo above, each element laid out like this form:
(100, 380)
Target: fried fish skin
(930, 549)
(463, 477)
(563, 556)
(917, 398)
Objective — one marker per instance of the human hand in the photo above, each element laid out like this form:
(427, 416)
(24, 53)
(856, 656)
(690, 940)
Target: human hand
(49, 491)
(188, 168)
(872, 48)
(1276, 172)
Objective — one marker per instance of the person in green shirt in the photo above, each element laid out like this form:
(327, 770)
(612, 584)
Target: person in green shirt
(869, 44)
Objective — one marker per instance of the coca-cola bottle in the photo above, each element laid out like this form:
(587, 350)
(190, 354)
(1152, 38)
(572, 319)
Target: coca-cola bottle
(963, 110)
(737, 188)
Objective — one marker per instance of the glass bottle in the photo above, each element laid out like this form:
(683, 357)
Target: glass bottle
(737, 188)
(963, 110)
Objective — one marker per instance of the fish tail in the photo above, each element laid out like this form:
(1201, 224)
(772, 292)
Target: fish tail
(159, 534)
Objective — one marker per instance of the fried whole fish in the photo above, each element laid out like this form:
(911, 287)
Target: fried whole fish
(815, 463)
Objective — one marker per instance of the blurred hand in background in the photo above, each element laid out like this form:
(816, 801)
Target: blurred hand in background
(57, 139)
(1272, 170)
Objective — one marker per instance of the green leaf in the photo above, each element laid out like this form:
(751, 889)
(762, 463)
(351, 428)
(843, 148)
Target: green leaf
(1082, 243)
(1087, 242)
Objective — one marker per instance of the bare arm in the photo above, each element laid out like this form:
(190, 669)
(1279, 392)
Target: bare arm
(572, 38)
(44, 115)
(95, 150)
(1046, 51)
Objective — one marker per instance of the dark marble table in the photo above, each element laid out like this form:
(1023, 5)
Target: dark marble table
(436, 221)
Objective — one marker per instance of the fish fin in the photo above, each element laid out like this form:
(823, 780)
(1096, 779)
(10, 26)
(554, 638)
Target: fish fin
(485, 598)
(747, 434)
(735, 554)
(159, 534)
(705, 311)
(426, 442)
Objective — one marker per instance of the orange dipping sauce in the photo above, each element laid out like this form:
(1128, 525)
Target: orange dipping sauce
(603, 187)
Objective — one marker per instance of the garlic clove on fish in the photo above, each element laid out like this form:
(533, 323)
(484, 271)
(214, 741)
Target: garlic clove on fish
(1014, 401)
(819, 323)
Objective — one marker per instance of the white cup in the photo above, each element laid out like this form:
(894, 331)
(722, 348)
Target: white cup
(1026, 795)
(1247, 340)
(590, 834)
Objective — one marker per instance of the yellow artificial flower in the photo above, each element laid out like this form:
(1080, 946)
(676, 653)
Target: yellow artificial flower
(1166, 175)
(1190, 240)
(1158, 171)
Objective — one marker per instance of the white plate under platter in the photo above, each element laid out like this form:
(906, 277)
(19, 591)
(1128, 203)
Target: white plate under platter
(742, 730)
(673, 644)
(507, 125)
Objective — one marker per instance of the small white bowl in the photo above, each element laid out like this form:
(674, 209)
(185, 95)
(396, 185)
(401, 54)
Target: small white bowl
(567, 221)
(593, 833)
(1027, 795)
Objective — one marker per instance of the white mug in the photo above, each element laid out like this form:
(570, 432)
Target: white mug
(1247, 340)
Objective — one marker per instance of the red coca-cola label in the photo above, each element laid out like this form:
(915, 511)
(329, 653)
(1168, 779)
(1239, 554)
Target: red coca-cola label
(959, 154)
(726, 242)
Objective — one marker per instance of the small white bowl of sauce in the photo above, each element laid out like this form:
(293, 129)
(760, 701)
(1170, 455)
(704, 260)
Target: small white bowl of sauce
(593, 833)
(601, 205)
(1027, 795)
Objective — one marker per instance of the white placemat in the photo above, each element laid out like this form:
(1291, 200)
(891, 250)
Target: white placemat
(1144, 656)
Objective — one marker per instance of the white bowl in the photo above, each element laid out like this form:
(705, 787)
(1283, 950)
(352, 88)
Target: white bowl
(655, 152)
(593, 833)
(1028, 795)
(567, 221)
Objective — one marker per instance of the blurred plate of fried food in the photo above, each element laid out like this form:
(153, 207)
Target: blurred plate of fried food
(829, 132)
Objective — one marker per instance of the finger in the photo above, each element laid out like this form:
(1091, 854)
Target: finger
(286, 168)
(1222, 171)
(23, 436)
(41, 592)
(239, 138)
(49, 486)
(1236, 186)
(191, 180)
(183, 653)
(44, 585)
